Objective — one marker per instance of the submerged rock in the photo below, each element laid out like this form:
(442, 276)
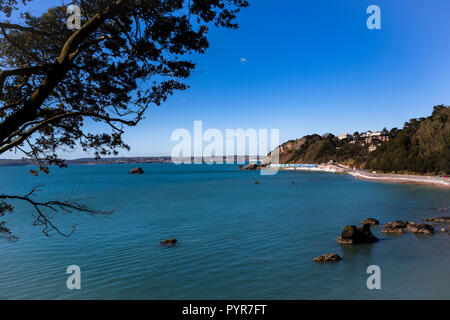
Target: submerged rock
(445, 220)
(397, 227)
(371, 221)
(354, 235)
(136, 171)
(327, 257)
(169, 242)
(256, 182)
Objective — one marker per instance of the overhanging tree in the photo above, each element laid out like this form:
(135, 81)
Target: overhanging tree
(127, 56)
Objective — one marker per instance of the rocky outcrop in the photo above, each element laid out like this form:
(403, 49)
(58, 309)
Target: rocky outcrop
(136, 171)
(419, 228)
(397, 227)
(354, 235)
(283, 153)
(169, 242)
(327, 257)
(400, 227)
(371, 221)
(445, 220)
(250, 167)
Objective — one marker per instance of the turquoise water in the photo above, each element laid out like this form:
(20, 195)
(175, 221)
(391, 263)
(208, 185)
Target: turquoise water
(238, 240)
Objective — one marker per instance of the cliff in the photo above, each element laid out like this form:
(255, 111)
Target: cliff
(422, 146)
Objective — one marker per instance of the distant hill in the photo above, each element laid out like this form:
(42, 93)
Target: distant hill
(118, 160)
(122, 160)
(13, 162)
(422, 146)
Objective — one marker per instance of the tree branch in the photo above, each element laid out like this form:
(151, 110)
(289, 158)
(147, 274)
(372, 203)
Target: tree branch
(29, 132)
(20, 47)
(88, 44)
(6, 26)
(62, 65)
(43, 220)
(22, 72)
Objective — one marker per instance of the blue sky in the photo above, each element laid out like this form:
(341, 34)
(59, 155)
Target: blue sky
(311, 67)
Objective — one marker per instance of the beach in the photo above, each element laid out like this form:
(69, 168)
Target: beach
(402, 178)
(437, 181)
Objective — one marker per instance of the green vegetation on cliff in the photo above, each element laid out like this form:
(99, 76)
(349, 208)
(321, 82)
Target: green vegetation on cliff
(422, 146)
(317, 149)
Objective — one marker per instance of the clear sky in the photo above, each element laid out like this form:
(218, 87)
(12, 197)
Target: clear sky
(311, 67)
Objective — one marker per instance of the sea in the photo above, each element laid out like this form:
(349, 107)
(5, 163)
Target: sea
(236, 239)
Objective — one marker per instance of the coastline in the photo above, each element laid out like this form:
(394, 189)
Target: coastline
(380, 177)
(434, 181)
(402, 178)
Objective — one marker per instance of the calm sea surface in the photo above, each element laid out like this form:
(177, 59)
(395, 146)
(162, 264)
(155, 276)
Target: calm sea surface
(238, 240)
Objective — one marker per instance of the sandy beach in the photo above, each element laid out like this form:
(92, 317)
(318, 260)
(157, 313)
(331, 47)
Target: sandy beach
(402, 178)
(436, 181)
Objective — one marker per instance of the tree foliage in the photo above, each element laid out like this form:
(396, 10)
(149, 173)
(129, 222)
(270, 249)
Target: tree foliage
(422, 146)
(127, 56)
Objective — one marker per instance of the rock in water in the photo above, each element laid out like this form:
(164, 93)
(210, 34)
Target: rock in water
(256, 182)
(445, 220)
(327, 257)
(136, 171)
(354, 235)
(169, 242)
(397, 227)
(251, 166)
(371, 221)
(421, 228)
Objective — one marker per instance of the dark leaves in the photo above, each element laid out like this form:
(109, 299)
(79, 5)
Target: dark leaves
(6, 234)
(136, 58)
(128, 56)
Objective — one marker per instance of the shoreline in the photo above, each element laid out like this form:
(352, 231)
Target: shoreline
(434, 181)
(402, 178)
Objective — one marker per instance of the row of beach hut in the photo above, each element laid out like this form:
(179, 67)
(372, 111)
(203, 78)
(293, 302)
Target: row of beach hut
(294, 165)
